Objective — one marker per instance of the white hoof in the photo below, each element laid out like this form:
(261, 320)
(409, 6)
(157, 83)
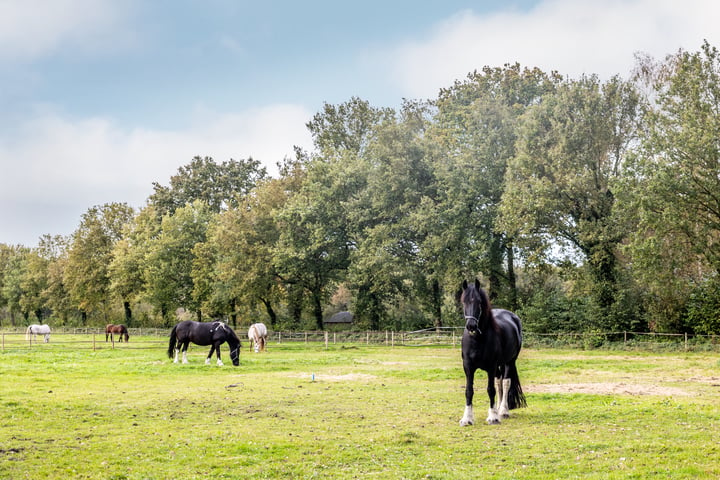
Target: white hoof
(220, 363)
(492, 418)
(468, 417)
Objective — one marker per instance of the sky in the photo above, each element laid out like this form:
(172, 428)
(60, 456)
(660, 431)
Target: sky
(101, 98)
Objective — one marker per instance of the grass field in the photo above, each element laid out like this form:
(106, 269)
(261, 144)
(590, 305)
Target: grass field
(370, 412)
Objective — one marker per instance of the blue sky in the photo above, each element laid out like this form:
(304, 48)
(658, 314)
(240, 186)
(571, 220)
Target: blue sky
(100, 98)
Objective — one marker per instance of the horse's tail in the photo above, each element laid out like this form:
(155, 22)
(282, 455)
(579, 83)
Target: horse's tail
(173, 339)
(28, 332)
(516, 397)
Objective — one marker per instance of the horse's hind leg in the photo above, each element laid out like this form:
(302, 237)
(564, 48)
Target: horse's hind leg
(502, 384)
(184, 351)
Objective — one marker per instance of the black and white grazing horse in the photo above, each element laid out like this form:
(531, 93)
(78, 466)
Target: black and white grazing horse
(491, 342)
(203, 333)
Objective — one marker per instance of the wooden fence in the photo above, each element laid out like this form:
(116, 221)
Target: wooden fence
(154, 338)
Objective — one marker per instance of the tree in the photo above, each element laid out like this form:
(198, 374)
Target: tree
(675, 187)
(219, 186)
(393, 263)
(170, 257)
(57, 298)
(559, 185)
(128, 269)
(242, 241)
(13, 266)
(86, 273)
(476, 128)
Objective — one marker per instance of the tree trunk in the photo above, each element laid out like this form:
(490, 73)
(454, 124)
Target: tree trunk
(271, 313)
(128, 313)
(317, 311)
(437, 303)
(233, 313)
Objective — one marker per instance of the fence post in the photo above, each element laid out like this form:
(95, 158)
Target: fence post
(686, 341)
(3, 342)
(326, 340)
(93, 341)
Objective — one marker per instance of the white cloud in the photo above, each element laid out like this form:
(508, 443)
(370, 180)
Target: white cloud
(34, 28)
(570, 36)
(68, 165)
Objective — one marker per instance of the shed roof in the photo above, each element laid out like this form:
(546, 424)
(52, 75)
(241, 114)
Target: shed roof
(340, 317)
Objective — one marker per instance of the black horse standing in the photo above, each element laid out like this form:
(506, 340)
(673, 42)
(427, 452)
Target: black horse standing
(203, 333)
(491, 341)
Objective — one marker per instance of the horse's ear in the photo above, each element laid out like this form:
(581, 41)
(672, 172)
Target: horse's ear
(464, 285)
(477, 284)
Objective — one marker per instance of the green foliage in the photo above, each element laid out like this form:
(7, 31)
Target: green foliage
(586, 205)
(86, 272)
(703, 308)
(218, 185)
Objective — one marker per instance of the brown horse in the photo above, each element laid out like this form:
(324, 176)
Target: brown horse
(119, 329)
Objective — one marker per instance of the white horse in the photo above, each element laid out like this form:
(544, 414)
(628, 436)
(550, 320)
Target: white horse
(257, 333)
(35, 330)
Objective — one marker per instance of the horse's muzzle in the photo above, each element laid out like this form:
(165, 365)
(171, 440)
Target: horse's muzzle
(471, 325)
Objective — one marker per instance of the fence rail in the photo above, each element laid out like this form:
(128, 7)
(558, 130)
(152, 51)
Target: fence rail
(153, 338)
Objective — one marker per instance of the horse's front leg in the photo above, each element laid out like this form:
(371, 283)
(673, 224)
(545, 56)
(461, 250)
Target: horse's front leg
(468, 416)
(493, 418)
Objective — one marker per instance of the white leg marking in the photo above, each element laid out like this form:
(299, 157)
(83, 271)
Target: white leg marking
(468, 417)
(207, 361)
(176, 355)
(498, 392)
(504, 410)
(220, 363)
(493, 417)
(185, 357)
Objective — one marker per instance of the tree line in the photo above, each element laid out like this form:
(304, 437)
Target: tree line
(581, 203)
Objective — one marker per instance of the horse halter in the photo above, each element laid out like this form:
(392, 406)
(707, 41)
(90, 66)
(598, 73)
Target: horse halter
(477, 323)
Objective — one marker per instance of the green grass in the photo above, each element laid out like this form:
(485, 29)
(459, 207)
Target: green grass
(379, 412)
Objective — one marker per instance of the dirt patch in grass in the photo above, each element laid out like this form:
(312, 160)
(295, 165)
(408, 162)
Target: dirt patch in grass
(348, 377)
(607, 388)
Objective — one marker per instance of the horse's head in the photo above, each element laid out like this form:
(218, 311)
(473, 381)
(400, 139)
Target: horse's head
(235, 354)
(234, 344)
(476, 307)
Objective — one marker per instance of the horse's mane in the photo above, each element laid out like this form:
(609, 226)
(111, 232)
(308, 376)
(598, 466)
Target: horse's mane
(229, 331)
